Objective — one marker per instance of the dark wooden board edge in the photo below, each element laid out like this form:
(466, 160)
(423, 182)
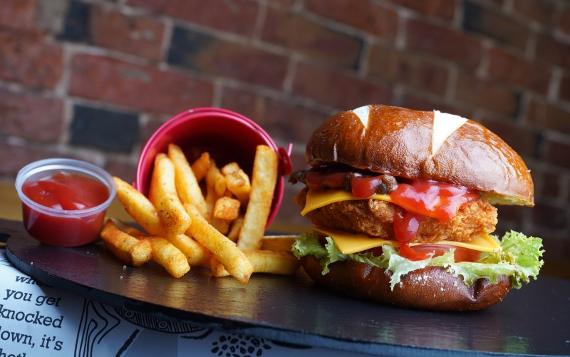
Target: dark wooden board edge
(236, 326)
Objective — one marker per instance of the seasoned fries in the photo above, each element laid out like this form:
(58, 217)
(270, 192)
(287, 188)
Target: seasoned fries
(226, 251)
(138, 206)
(200, 215)
(215, 180)
(170, 257)
(127, 248)
(230, 168)
(163, 195)
(221, 225)
(195, 253)
(238, 186)
(201, 165)
(278, 243)
(267, 261)
(263, 261)
(186, 184)
(263, 185)
(226, 208)
(236, 228)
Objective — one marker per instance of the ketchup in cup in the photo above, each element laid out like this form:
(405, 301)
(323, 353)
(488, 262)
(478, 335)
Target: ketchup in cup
(64, 201)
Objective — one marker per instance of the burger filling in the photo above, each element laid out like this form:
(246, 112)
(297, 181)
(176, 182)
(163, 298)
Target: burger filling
(370, 217)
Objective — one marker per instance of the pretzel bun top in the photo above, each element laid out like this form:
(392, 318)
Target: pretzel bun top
(424, 145)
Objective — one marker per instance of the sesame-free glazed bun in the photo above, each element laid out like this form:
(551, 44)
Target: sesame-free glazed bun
(431, 288)
(398, 142)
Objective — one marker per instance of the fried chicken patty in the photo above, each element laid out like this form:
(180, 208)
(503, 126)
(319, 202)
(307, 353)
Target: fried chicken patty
(375, 218)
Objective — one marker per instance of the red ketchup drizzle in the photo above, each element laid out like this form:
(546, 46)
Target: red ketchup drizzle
(364, 186)
(422, 199)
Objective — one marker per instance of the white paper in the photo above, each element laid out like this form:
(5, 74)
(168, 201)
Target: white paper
(36, 320)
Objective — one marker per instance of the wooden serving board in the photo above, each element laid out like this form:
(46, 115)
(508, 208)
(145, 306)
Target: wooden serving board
(534, 320)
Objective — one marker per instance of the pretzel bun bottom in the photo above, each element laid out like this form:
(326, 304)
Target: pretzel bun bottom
(431, 288)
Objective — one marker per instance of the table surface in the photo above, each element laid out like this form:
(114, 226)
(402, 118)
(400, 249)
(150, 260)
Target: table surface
(294, 311)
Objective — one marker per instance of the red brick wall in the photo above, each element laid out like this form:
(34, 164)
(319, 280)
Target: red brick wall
(92, 79)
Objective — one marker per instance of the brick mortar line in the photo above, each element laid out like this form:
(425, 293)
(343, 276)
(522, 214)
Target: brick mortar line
(297, 5)
(166, 40)
(458, 15)
(18, 88)
(554, 84)
(452, 80)
(398, 93)
(334, 25)
(531, 43)
(556, 136)
(402, 30)
(66, 122)
(423, 94)
(524, 103)
(62, 89)
(218, 93)
(274, 94)
(364, 57)
(133, 156)
(290, 74)
(107, 105)
(260, 21)
(88, 49)
(193, 26)
(232, 37)
(83, 153)
(482, 70)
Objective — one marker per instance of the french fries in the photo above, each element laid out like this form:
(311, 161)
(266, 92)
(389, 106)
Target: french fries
(195, 253)
(278, 243)
(262, 187)
(263, 261)
(226, 251)
(127, 248)
(202, 215)
(186, 184)
(237, 181)
(201, 165)
(138, 206)
(236, 228)
(215, 180)
(226, 208)
(221, 225)
(170, 257)
(163, 195)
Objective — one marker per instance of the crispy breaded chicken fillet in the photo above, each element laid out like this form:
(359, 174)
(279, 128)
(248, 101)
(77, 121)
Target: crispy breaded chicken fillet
(375, 217)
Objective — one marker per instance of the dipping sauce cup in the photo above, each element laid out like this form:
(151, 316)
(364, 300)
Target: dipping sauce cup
(64, 200)
(226, 135)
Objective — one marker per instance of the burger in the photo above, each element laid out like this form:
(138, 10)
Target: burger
(403, 204)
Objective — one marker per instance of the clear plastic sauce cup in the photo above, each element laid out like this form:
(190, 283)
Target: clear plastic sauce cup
(64, 200)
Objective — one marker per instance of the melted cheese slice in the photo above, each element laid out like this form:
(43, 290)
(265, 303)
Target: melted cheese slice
(318, 199)
(349, 243)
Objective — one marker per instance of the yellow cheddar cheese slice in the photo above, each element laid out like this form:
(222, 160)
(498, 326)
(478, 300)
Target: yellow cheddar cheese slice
(349, 243)
(318, 199)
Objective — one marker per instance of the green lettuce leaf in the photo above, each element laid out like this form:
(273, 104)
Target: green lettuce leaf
(519, 259)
